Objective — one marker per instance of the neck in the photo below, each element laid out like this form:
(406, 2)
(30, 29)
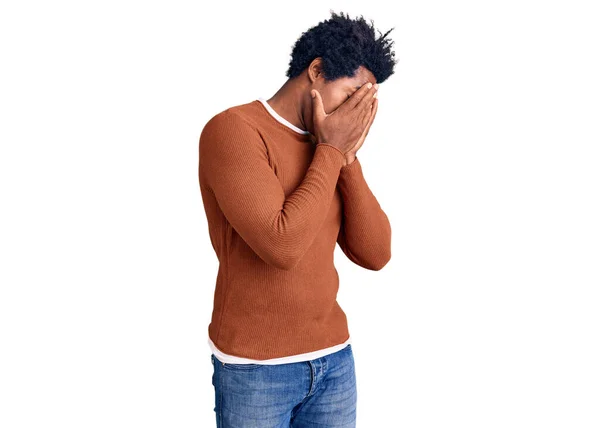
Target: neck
(288, 103)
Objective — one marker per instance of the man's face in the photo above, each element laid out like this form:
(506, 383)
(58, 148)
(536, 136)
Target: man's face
(335, 93)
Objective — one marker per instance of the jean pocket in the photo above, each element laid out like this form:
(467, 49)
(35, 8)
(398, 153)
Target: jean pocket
(241, 367)
(232, 366)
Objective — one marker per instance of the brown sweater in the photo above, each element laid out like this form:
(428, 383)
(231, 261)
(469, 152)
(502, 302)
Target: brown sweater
(276, 204)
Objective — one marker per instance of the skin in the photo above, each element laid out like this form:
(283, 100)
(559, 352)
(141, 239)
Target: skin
(295, 104)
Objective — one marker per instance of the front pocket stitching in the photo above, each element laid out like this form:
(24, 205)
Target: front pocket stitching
(250, 366)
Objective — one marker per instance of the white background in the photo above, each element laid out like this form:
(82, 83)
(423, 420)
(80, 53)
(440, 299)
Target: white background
(484, 154)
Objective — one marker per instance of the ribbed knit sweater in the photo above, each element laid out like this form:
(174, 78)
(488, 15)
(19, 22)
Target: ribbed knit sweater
(276, 205)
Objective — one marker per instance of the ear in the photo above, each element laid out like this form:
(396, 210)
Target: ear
(315, 70)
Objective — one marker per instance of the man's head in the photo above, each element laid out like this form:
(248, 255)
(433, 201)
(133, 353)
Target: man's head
(336, 57)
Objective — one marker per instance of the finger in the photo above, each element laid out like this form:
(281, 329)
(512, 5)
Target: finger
(367, 117)
(317, 104)
(371, 118)
(367, 100)
(357, 96)
(364, 119)
(368, 110)
(374, 109)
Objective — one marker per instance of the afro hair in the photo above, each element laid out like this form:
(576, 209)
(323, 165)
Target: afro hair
(344, 45)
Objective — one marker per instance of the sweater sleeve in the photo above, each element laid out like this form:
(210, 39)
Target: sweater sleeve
(234, 166)
(365, 233)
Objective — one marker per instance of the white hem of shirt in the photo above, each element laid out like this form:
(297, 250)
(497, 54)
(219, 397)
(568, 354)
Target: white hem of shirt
(280, 119)
(281, 360)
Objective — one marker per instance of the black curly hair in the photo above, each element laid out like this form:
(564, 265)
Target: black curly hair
(344, 44)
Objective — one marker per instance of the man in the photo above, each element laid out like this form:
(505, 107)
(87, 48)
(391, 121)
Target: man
(281, 184)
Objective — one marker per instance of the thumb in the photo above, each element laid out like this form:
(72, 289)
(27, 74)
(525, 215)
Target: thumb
(317, 104)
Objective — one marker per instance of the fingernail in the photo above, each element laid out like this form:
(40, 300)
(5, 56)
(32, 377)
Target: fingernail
(369, 85)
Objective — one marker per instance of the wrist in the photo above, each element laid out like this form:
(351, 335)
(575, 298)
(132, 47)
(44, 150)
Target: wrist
(349, 159)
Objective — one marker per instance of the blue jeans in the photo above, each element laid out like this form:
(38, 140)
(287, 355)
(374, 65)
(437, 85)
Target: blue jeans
(316, 393)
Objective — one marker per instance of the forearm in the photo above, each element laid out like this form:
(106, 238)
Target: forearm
(366, 233)
(234, 167)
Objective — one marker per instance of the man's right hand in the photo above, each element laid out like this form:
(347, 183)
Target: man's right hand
(344, 126)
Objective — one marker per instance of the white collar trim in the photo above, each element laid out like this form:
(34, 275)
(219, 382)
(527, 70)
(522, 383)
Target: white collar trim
(280, 118)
